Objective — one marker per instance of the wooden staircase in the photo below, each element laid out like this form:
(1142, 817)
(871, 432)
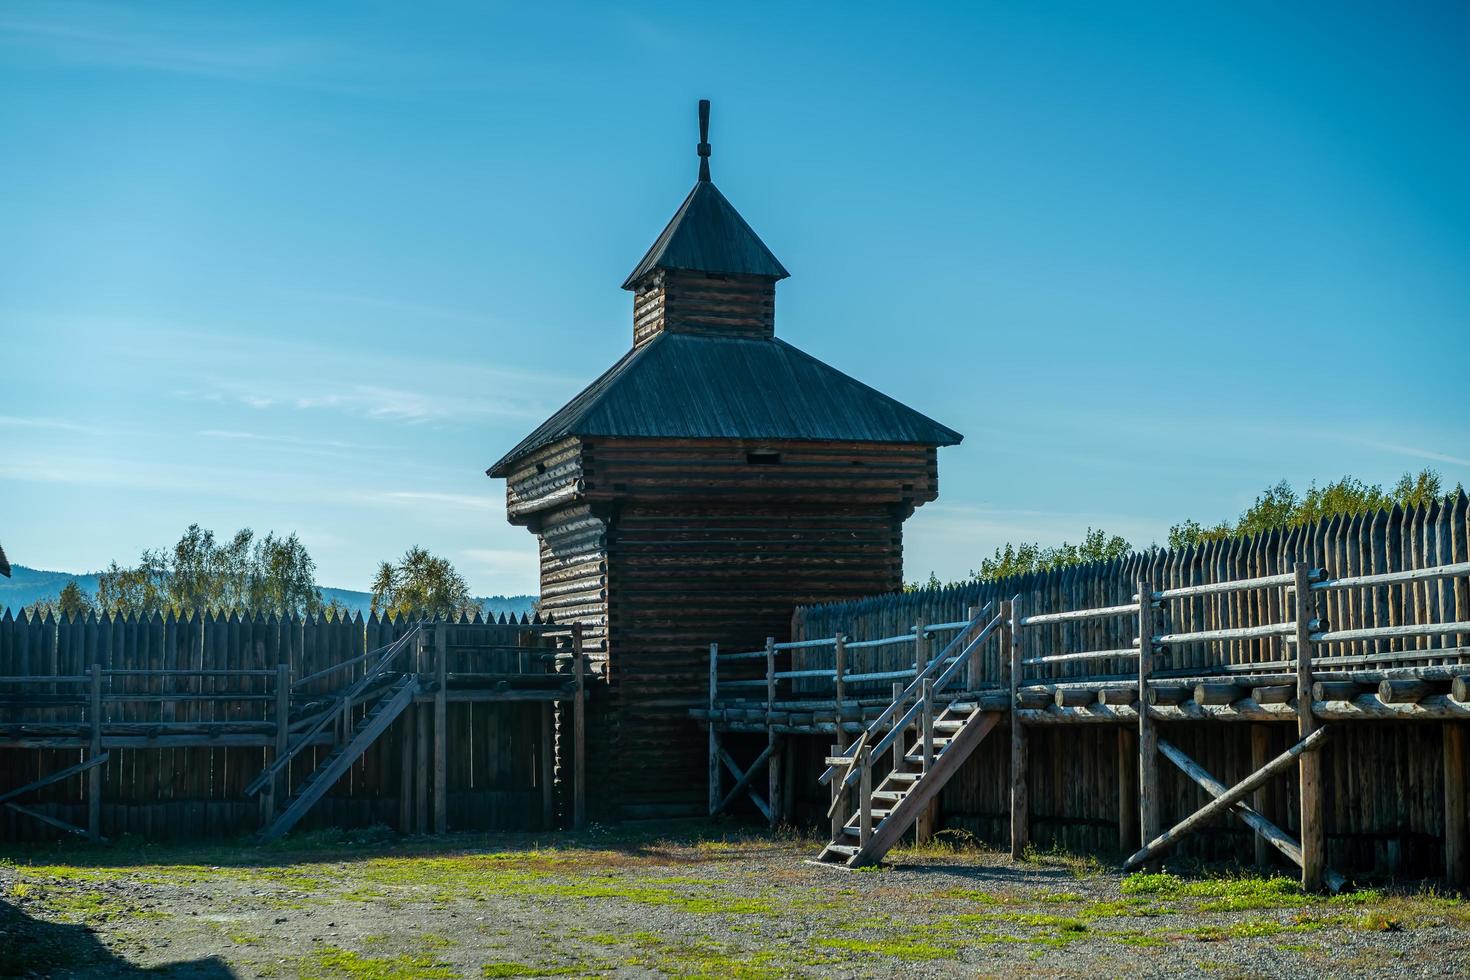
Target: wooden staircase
(921, 767)
(396, 696)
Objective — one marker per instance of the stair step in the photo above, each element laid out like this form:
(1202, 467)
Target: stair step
(846, 849)
(905, 777)
(946, 725)
(892, 796)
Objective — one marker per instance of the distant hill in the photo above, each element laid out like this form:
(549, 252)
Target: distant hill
(28, 585)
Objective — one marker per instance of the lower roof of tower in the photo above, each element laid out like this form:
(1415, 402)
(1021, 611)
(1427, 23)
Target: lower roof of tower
(686, 386)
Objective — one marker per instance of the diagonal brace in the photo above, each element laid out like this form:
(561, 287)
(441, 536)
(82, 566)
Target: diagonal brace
(1222, 801)
(743, 780)
(1272, 834)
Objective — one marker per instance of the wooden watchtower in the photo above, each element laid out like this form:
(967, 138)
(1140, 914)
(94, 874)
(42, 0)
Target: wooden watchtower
(709, 482)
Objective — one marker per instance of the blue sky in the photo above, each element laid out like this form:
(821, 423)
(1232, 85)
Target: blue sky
(313, 267)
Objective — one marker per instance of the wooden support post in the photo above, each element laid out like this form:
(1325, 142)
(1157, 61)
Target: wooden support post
(836, 811)
(900, 746)
(1260, 802)
(714, 736)
(94, 749)
(548, 766)
(928, 819)
(1020, 805)
(1128, 837)
(1309, 764)
(1455, 856)
(974, 667)
(579, 731)
(839, 659)
(407, 730)
(773, 768)
(865, 796)
(275, 792)
(1148, 738)
(921, 649)
(441, 728)
(421, 741)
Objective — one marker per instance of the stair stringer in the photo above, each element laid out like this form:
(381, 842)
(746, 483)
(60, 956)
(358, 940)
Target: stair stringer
(897, 823)
(324, 779)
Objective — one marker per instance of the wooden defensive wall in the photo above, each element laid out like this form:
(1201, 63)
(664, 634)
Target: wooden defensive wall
(219, 725)
(1323, 704)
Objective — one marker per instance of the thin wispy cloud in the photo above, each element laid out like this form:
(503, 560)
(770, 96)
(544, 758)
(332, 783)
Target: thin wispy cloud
(488, 502)
(286, 441)
(37, 422)
(1428, 455)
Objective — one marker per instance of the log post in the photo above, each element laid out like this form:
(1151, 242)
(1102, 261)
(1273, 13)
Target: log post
(836, 810)
(839, 660)
(1309, 763)
(1128, 837)
(900, 748)
(714, 737)
(421, 748)
(441, 728)
(1020, 808)
(1455, 863)
(283, 735)
(1260, 802)
(865, 796)
(579, 731)
(974, 668)
(407, 730)
(773, 768)
(1148, 738)
(94, 749)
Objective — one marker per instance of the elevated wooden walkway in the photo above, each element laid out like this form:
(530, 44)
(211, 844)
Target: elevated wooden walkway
(910, 744)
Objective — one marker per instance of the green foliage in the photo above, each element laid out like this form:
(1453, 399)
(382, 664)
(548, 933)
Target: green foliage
(1096, 546)
(1281, 507)
(421, 584)
(71, 603)
(270, 575)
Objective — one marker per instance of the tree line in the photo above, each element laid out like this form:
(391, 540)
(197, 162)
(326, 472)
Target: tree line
(1277, 507)
(271, 575)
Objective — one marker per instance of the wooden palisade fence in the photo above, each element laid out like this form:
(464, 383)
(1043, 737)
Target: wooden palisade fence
(1379, 604)
(217, 725)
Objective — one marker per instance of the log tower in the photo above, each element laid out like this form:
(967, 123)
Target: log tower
(710, 481)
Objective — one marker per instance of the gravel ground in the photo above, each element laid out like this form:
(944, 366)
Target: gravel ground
(678, 900)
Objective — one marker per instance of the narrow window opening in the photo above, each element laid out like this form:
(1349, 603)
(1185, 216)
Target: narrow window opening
(763, 458)
(540, 467)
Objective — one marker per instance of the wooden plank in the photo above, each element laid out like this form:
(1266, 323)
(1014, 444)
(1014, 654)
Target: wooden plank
(55, 777)
(1260, 755)
(1128, 837)
(94, 749)
(715, 791)
(1456, 858)
(579, 732)
(441, 729)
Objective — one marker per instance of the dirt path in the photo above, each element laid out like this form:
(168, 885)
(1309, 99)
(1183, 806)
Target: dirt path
(677, 900)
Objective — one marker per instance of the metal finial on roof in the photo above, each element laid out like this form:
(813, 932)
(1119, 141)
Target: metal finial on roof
(704, 139)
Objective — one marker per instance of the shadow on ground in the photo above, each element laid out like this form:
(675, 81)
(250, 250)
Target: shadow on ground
(31, 947)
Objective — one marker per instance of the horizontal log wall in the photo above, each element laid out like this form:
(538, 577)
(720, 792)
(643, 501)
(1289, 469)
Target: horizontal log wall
(494, 765)
(704, 303)
(1384, 782)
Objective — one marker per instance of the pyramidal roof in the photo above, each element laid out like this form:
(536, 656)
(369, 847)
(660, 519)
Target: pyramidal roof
(707, 234)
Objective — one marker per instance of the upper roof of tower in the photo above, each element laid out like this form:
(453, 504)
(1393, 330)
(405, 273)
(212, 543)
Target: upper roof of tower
(707, 234)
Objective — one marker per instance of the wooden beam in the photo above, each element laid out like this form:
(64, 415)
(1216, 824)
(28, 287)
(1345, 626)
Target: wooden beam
(743, 778)
(1456, 860)
(1020, 805)
(839, 661)
(546, 754)
(407, 729)
(54, 822)
(773, 768)
(1222, 801)
(1309, 763)
(55, 777)
(1277, 837)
